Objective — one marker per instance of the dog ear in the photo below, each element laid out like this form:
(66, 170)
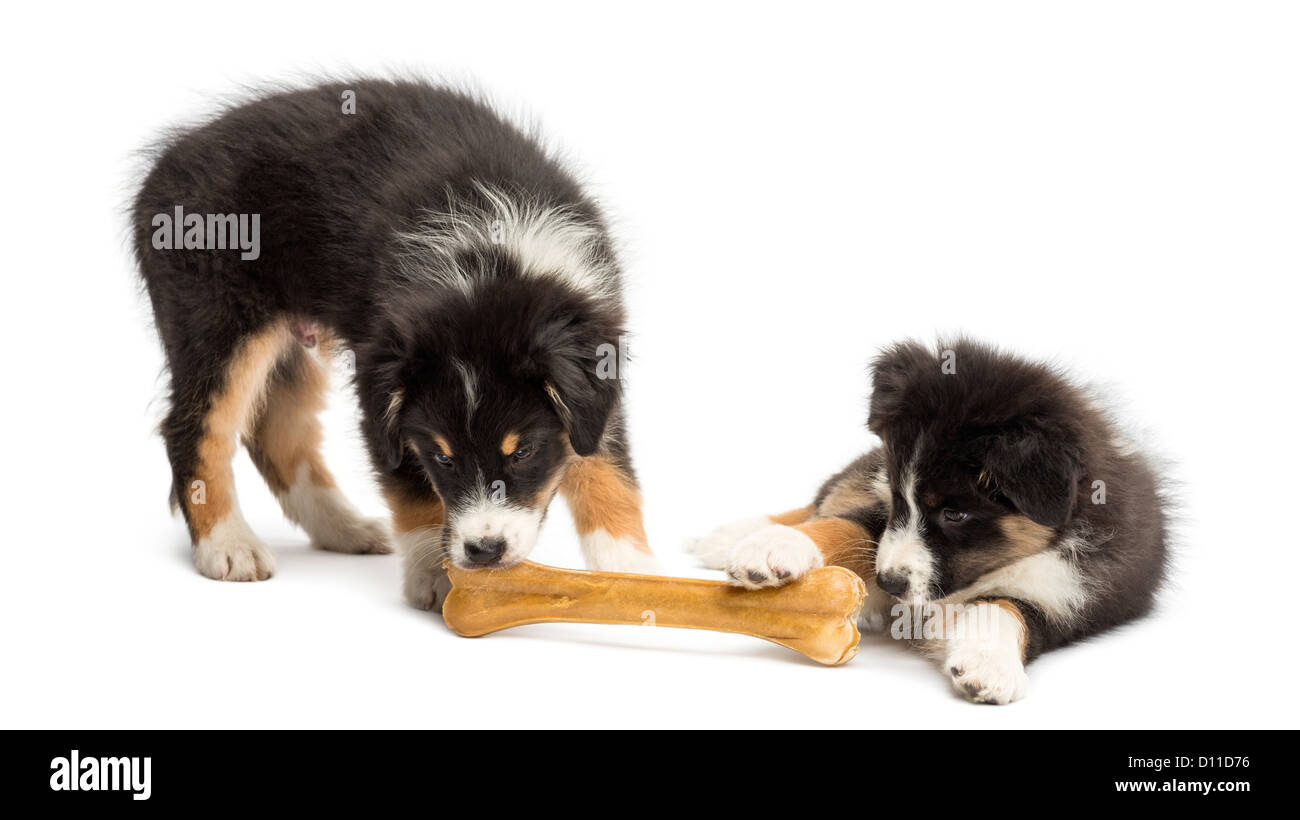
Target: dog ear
(1036, 472)
(892, 371)
(580, 376)
(381, 370)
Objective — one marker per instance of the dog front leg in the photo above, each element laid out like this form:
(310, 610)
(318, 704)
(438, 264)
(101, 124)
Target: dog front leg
(418, 517)
(984, 648)
(606, 506)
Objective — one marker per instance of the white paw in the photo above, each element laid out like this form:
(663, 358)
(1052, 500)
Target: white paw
(773, 556)
(714, 550)
(604, 552)
(986, 672)
(231, 552)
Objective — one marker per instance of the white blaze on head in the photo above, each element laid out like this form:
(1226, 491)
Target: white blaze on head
(486, 519)
(469, 380)
(546, 240)
(902, 550)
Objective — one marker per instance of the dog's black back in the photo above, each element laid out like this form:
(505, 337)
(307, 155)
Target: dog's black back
(332, 190)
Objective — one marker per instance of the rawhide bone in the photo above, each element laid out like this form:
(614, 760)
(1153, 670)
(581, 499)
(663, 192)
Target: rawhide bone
(816, 615)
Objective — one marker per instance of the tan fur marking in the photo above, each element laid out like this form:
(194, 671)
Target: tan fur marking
(603, 497)
(1023, 536)
(855, 492)
(843, 543)
(1024, 628)
(230, 413)
(1020, 538)
(328, 343)
(510, 443)
(442, 442)
(287, 432)
(793, 517)
(414, 512)
(546, 494)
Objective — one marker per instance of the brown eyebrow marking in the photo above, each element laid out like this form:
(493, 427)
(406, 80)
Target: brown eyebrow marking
(442, 442)
(510, 443)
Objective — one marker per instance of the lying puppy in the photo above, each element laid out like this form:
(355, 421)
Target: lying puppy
(1003, 510)
(465, 271)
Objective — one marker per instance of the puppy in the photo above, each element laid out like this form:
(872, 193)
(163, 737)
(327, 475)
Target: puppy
(462, 270)
(1003, 513)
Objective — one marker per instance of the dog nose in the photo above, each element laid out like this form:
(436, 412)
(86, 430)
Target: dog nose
(893, 583)
(485, 550)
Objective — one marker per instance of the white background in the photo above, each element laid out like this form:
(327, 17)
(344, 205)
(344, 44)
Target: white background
(1112, 185)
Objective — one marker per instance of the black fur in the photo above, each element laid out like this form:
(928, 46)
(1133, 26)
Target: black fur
(1003, 437)
(337, 194)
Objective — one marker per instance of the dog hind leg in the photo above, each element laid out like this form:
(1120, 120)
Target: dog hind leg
(211, 406)
(284, 442)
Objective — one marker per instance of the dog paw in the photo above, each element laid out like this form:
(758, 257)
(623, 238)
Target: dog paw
(874, 618)
(359, 536)
(331, 520)
(604, 552)
(424, 579)
(231, 552)
(714, 550)
(772, 556)
(426, 588)
(985, 673)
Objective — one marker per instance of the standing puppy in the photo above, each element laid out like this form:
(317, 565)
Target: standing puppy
(467, 272)
(1003, 513)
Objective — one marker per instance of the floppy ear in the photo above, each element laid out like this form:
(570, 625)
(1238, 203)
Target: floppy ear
(891, 373)
(381, 367)
(1038, 475)
(578, 377)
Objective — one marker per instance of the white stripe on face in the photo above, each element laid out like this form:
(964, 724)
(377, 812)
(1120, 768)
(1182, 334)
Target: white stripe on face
(902, 549)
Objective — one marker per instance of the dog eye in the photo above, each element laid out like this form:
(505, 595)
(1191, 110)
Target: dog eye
(443, 459)
(954, 516)
(522, 453)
